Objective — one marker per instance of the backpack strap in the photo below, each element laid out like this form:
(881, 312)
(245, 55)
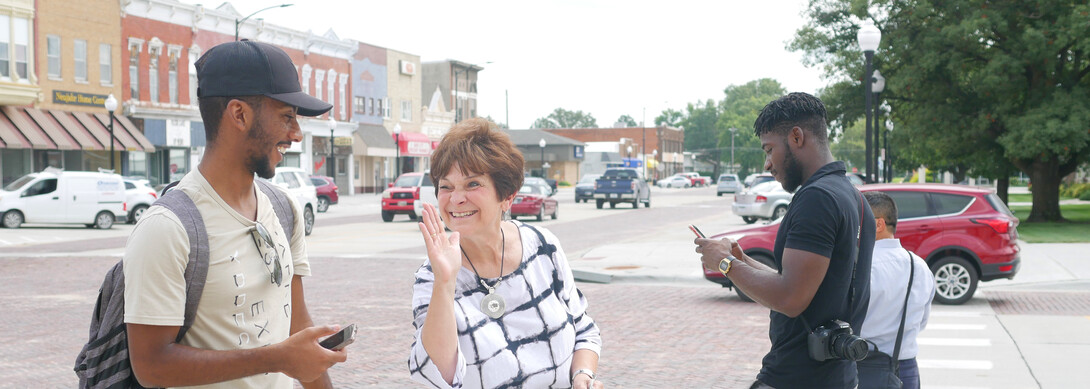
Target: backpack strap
(281, 206)
(196, 270)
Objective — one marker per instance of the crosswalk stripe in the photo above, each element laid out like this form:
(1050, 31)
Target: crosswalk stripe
(955, 314)
(968, 342)
(954, 364)
(956, 327)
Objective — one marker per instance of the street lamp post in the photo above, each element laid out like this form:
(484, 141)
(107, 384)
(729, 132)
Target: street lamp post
(654, 157)
(732, 131)
(111, 106)
(869, 36)
(331, 169)
(542, 144)
(889, 154)
(877, 88)
(238, 22)
(397, 146)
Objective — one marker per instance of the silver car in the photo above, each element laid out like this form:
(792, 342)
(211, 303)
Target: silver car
(766, 200)
(297, 182)
(728, 183)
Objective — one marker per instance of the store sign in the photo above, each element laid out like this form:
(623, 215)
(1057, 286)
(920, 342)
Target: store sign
(342, 141)
(577, 152)
(177, 133)
(407, 67)
(420, 148)
(77, 98)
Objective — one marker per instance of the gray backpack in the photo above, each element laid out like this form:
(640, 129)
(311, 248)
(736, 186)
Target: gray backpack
(104, 360)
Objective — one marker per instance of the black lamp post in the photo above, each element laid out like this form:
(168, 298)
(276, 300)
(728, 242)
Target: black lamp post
(869, 36)
(542, 144)
(877, 88)
(111, 106)
(732, 131)
(331, 169)
(238, 22)
(397, 147)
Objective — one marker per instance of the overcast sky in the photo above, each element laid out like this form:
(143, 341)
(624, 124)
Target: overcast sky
(607, 58)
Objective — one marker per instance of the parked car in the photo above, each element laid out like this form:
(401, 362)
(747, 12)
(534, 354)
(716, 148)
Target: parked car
(728, 183)
(298, 184)
(695, 179)
(757, 178)
(675, 181)
(138, 197)
(55, 196)
(584, 190)
(965, 234)
(535, 200)
(541, 181)
(766, 200)
(327, 191)
(621, 185)
(856, 179)
(402, 195)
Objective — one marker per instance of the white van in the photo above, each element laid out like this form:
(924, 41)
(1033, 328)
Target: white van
(59, 197)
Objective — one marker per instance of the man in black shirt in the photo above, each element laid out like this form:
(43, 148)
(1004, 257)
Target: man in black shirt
(819, 241)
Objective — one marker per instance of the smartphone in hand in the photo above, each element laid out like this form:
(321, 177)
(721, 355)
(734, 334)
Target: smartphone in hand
(341, 339)
(696, 231)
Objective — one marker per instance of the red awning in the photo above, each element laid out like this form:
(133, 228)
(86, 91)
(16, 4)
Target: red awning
(32, 128)
(413, 144)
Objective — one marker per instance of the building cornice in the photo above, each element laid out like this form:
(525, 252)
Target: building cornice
(198, 17)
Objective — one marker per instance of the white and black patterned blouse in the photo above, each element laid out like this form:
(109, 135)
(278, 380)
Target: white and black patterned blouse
(532, 344)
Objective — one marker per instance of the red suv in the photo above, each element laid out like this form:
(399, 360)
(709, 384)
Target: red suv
(327, 192)
(965, 234)
(398, 199)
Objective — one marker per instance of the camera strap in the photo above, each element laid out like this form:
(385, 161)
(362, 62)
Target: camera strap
(855, 261)
(893, 362)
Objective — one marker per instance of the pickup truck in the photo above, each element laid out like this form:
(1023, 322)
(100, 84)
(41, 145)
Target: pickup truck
(621, 185)
(696, 180)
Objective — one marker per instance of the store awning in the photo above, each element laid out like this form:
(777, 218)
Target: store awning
(31, 128)
(374, 141)
(413, 144)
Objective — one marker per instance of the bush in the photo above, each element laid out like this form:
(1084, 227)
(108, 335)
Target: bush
(563, 183)
(1077, 191)
(1085, 196)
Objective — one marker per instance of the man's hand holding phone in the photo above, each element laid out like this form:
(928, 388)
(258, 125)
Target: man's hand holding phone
(714, 250)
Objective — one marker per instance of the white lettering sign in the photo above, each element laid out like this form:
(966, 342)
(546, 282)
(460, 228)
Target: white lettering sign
(177, 133)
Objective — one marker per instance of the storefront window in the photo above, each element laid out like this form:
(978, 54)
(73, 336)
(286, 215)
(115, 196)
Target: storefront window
(138, 163)
(179, 164)
(14, 163)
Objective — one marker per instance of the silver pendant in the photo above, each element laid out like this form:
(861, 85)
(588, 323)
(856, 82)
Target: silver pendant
(493, 304)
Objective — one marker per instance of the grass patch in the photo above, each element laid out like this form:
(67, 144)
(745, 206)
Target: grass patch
(1076, 230)
(1026, 198)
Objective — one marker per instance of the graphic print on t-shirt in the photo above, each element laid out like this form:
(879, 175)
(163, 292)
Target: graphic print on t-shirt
(253, 319)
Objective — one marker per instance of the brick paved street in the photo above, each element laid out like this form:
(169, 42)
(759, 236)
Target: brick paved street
(698, 337)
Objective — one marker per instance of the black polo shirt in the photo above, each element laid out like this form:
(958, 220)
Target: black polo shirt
(823, 219)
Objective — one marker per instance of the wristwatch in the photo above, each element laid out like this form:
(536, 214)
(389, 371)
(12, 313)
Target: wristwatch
(724, 265)
(588, 372)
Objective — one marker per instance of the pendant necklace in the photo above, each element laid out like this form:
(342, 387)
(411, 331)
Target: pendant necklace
(492, 304)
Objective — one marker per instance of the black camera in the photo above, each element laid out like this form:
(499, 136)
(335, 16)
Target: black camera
(835, 340)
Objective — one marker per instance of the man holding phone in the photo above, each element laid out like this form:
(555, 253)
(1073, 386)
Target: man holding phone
(252, 328)
(822, 251)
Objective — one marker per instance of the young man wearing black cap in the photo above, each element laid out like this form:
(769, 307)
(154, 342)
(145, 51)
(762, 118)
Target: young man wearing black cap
(252, 328)
(822, 251)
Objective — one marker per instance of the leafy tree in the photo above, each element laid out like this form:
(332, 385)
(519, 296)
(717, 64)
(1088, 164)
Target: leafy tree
(973, 85)
(498, 123)
(739, 109)
(628, 121)
(562, 118)
(669, 117)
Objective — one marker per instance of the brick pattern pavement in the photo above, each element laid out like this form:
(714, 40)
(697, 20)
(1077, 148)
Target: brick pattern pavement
(1039, 303)
(655, 336)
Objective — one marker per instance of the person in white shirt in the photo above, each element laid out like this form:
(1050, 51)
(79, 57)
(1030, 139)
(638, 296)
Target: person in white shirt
(889, 277)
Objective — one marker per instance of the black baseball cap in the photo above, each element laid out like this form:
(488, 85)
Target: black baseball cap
(248, 68)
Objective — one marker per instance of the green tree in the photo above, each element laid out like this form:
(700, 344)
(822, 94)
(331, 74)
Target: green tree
(498, 123)
(562, 118)
(628, 121)
(701, 135)
(739, 109)
(973, 85)
(669, 117)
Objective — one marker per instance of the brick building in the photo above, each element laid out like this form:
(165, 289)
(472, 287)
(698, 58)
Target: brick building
(457, 82)
(162, 39)
(403, 83)
(373, 149)
(59, 69)
(661, 146)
